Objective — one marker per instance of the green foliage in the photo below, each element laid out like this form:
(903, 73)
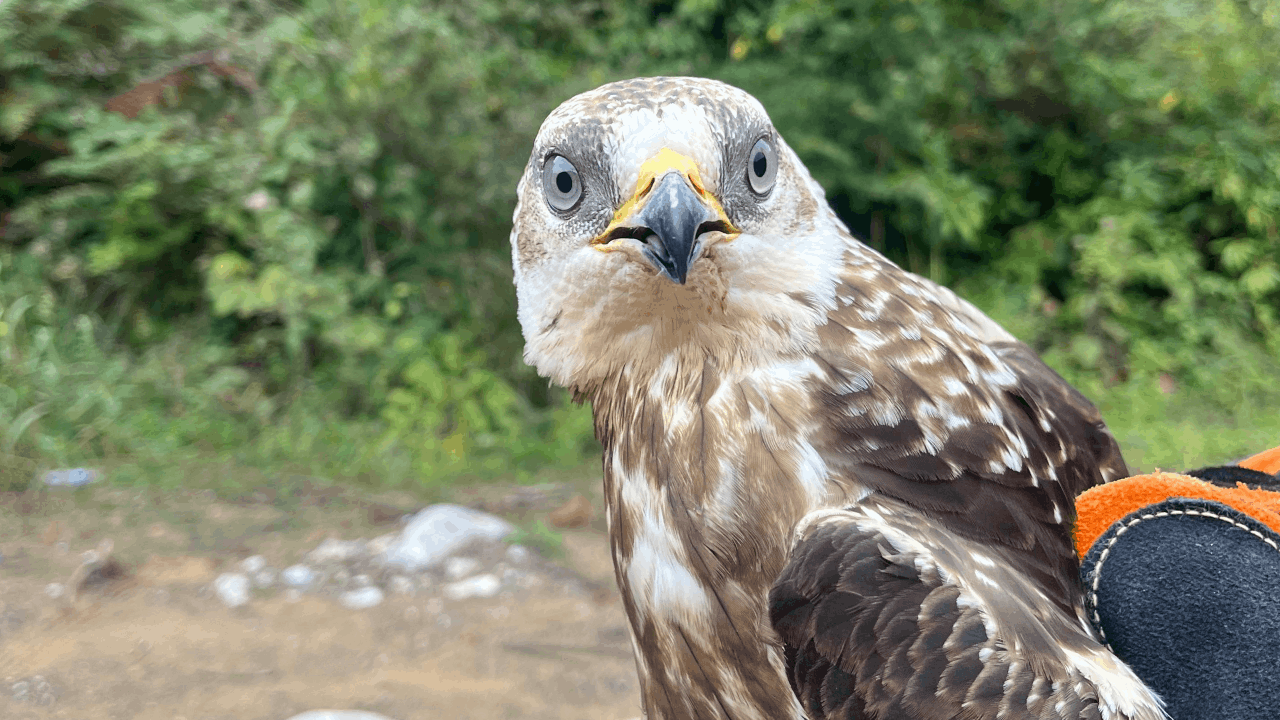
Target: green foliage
(331, 224)
(277, 229)
(541, 537)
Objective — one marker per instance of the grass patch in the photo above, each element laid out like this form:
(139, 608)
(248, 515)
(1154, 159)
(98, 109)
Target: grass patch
(541, 537)
(1186, 432)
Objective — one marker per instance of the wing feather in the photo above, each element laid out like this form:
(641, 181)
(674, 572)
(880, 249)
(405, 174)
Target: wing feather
(961, 420)
(912, 626)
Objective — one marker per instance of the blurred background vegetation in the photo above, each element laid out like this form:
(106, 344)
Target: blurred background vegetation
(274, 234)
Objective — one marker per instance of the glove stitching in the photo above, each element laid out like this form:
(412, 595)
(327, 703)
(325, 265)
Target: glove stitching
(1102, 559)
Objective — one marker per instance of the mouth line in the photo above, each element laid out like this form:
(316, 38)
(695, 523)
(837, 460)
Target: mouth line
(642, 233)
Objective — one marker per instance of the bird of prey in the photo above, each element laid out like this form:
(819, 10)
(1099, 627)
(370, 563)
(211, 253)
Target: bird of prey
(834, 489)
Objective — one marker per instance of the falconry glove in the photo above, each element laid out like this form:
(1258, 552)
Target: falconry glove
(1182, 582)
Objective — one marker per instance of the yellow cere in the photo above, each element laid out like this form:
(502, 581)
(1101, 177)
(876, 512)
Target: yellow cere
(665, 161)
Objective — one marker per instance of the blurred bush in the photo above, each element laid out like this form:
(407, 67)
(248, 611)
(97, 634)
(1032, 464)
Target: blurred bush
(279, 229)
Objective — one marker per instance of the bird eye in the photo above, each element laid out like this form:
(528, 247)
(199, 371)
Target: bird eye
(762, 167)
(561, 184)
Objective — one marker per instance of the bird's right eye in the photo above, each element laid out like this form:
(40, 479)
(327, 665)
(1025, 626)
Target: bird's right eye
(561, 184)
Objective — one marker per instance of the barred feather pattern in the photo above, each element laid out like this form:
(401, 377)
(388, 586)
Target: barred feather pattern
(886, 614)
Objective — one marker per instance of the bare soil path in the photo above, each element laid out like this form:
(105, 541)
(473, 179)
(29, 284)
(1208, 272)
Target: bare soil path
(149, 640)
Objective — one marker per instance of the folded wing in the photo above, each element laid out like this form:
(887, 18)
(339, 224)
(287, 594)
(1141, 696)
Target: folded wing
(887, 613)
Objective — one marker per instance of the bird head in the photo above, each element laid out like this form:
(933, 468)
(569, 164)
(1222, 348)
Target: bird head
(662, 216)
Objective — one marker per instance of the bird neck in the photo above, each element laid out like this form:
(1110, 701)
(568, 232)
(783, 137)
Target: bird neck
(700, 506)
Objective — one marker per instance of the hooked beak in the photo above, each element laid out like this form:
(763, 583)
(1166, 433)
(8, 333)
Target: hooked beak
(668, 214)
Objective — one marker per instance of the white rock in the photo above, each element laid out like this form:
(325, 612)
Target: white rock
(55, 590)
(379, 545)
(517, 554)
(365, 597)
(232, 589)
(456, 568)
(334, 550)
(361, 581)
(339, 715)
(400, 585)
(298, 576)
(436, 532)
(73, 478)
(482, 586)
(253, 564)
(264, 578)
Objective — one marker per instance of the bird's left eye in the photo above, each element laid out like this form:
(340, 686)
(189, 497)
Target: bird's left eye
(762, 167)
(561, 184)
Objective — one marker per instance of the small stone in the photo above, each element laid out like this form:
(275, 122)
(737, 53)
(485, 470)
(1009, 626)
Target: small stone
(361, 581)
(339, 715)
(401, 585)
(456, 568)
(365, 597)
(517, 554)
(292, 595)
(264, 578)
(232, 589)
(253, 564)
(436, 532)
(435, 606)
(333, 550)
(481, 586)
(73, 478)
(298, 576)
(55, 590)
(379, 545)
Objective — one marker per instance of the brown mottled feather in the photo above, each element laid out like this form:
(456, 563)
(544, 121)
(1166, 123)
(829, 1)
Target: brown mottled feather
(796, 373)
(1067, 447)
(872, 606)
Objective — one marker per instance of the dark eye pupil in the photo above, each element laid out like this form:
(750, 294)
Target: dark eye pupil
(564, 182)
(759, 164)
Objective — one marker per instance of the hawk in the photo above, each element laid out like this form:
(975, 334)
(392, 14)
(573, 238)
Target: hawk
(834, 489)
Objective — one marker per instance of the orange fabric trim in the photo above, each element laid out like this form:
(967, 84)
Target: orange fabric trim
(1100, 507)
(1267, 461)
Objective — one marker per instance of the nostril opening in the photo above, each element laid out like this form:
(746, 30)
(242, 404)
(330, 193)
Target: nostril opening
(639, 232)
(713, 226)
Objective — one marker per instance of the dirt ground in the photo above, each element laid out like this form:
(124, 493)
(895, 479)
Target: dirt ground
(152, 642)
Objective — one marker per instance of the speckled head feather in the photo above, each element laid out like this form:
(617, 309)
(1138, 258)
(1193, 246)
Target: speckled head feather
(585, 311)
(752, 368)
